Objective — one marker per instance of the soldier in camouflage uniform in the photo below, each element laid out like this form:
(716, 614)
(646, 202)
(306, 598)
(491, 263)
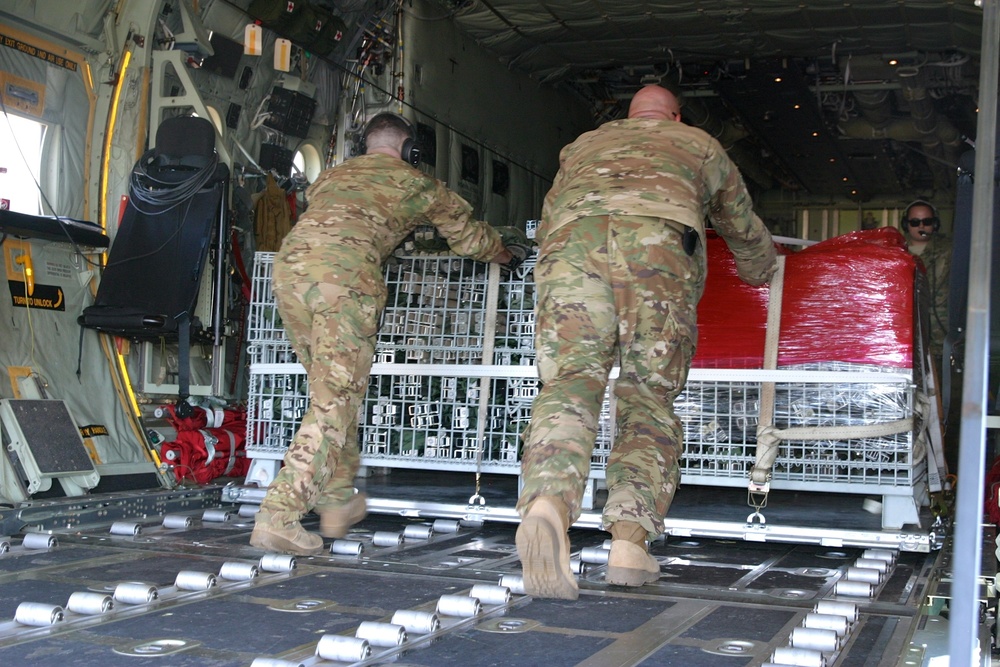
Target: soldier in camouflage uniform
(621, 267)
(330, 293)
(924, 239)
(921, 226)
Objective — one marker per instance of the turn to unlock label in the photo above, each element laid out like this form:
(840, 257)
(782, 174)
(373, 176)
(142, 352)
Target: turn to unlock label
(47, 297)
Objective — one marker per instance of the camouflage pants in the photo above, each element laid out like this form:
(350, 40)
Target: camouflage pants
(612, 287)
(332, 329)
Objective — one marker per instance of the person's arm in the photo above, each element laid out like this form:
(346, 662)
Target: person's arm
(452, 216)
(731, 212)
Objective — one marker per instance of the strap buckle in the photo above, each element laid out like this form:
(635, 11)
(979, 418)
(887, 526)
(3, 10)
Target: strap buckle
(477, 503)
(757, 498)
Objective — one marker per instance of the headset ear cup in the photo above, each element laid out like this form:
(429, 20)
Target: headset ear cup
(410, 152)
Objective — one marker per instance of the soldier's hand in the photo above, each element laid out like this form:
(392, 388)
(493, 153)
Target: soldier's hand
(518, 254)
(510, 235)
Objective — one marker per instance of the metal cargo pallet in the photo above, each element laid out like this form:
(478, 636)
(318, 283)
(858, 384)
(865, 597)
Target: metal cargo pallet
(453, 379)
(825, 519)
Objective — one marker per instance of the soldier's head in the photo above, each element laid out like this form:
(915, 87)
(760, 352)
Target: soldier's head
(654, 102)
(391, 134)
(920, 221)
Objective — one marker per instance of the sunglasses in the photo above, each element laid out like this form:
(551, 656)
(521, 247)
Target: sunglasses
(917, 222)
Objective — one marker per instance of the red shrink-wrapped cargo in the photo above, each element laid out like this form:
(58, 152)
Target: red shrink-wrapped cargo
(847, 299)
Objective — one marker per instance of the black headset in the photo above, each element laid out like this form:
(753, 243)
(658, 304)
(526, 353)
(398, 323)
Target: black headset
(936, 219)
(410, 152)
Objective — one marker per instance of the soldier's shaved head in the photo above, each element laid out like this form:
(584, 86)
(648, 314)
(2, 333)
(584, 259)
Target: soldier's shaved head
(385, 133)
(656, 103)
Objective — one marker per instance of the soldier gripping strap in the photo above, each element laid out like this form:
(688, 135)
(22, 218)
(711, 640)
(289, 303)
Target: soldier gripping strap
(518, 253)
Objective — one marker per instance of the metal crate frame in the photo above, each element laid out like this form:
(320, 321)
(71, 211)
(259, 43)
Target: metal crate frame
(453, 379)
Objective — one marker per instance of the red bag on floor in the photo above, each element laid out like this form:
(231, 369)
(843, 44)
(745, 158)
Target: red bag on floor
(206, 454)
(234, 418)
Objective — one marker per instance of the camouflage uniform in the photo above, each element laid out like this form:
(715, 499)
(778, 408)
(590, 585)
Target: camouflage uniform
(936, 257)
(330, 293)
(613, 281)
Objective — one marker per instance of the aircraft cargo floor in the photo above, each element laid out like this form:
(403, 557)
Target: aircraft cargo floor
(718, 602)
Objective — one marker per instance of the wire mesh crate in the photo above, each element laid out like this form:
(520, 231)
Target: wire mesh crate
(263, 321)
(444, 312)
(442, 422)
(276, 404)
(720, 431)
(271, 352)
(435, 311)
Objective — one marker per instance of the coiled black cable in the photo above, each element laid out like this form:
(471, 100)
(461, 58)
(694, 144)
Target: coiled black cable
(162, 196)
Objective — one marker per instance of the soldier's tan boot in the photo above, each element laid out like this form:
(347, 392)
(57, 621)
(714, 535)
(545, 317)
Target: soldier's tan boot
(543, 545)
(629, 563)
(291, 538)
(335, 520)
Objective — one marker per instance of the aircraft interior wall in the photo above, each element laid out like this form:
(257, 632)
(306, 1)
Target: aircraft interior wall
(497, 134)
(43, 355)
(103, 74)
(498, 120)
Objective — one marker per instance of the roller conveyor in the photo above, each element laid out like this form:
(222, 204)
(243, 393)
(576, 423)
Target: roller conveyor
(718, 601)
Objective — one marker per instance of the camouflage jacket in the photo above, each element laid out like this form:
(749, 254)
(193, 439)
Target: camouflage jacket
(360, 210)
(661, 169)
(936, 258)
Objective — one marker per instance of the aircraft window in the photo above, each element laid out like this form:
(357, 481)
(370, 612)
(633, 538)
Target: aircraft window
(501, 178)
(307, 161)
(20, 163)
(427, 140)
(470, 164)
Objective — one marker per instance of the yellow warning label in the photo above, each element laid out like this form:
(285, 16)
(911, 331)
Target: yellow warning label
(46, 297)
(88, 432)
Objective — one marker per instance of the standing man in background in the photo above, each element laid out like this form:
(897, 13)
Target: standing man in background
(330, 293)
(922, 227)
(620, 271)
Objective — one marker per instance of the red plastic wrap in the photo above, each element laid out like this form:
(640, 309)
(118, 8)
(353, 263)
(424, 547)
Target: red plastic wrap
(732, 316)
(847, 299)
(850, 299)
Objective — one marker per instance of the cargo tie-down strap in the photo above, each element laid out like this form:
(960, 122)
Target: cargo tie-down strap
(211, 441)
(477, 502)
(770, 436)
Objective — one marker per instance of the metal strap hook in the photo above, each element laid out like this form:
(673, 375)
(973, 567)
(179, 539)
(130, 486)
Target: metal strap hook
(477, 501)
(757, 499)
